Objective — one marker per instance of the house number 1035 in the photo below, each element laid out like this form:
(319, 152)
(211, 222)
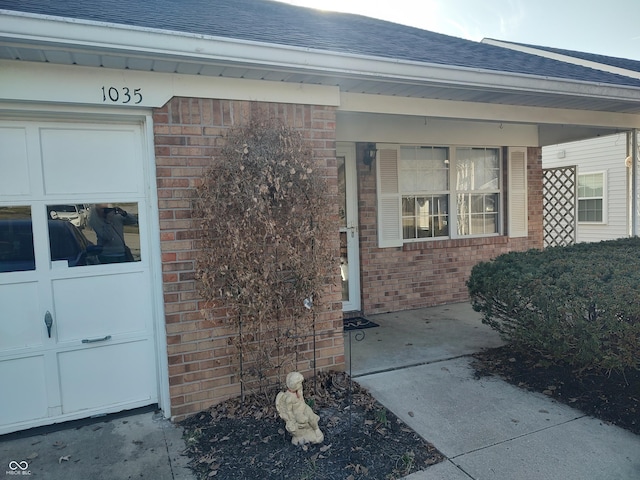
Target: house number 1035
(122, 95)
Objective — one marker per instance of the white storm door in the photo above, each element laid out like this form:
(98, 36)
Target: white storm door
(76, 320)
(349, 241)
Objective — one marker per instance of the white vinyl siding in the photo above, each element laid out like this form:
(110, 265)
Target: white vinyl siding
(592, 156)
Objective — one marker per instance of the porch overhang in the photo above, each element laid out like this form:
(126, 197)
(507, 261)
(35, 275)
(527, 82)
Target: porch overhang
(582, 109)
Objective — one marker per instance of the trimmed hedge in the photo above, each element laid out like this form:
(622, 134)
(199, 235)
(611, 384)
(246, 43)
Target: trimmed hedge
(578, 304)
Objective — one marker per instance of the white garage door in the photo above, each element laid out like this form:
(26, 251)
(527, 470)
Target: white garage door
(76, 319)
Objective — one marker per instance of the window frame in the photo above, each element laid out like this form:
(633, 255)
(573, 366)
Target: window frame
(603, 174)
(453, 193)
(424, 193)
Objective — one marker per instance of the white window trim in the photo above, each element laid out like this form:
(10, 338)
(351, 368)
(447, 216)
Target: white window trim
(390, 197)
(604, 198)
(453, 205)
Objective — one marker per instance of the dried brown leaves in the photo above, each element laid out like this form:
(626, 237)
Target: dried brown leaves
(266, 227)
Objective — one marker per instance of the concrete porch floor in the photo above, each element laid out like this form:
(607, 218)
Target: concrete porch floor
(416, 337)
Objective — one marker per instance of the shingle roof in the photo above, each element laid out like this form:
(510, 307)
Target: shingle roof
(283, 24)
(627, 64)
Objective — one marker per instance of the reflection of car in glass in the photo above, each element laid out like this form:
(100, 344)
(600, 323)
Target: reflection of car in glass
(65, 241)
(76, 214)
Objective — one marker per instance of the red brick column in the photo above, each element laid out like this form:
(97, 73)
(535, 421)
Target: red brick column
(188, 133)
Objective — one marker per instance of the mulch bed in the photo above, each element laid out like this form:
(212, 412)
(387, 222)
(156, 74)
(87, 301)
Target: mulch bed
(613, 398)
(247, 440)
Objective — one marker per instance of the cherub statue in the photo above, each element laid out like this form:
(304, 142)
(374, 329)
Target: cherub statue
(300, 420)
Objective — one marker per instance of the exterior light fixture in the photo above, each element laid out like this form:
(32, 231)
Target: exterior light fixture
(369, 154)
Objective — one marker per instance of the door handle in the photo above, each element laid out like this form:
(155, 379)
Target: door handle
(95, 340)
(48, 321)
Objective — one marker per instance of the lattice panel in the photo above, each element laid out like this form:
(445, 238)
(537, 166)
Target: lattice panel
(559, 206)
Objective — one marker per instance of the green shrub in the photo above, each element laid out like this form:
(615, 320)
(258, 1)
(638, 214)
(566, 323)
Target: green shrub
(579, 304)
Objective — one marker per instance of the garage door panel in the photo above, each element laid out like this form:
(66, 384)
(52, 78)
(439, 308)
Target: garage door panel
(24, 395)
(100, 356)
(14, 163)
(90, 161)
(107, 375)
(94, 307)
(23, 324)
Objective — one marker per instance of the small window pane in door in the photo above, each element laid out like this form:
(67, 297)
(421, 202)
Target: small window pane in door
(344, 266)
(342, 191)
(93, 234)
(16, 239)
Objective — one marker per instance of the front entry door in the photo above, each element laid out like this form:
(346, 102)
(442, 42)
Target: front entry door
(76, 328)
(349, 242)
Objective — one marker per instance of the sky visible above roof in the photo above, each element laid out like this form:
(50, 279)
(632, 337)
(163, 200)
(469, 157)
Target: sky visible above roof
(280, 23)
(605, 28)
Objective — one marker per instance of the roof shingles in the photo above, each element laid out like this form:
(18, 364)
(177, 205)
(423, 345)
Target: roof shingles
(624, 63)
(277, 23)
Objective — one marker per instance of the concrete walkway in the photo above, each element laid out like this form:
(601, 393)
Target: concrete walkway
(142, 445)
(416, 364)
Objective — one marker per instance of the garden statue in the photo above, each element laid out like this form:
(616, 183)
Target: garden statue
(300, 420)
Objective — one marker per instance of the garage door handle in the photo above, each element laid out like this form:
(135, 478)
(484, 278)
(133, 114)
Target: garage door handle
(48, 321)
(94, 340)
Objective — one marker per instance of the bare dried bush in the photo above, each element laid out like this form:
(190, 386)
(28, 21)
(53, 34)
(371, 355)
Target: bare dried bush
(266, 228)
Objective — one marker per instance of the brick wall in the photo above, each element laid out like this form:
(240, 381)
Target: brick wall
(431, 273)
(188, 133)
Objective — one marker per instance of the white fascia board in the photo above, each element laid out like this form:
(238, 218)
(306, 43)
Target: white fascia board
(563, 58)
(72, 84)
(160, 43)
(365, 103)
(407, 129)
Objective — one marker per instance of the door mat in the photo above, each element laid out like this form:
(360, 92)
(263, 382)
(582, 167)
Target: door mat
(358, 323)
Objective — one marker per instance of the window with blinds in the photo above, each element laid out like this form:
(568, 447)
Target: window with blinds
(439, 192)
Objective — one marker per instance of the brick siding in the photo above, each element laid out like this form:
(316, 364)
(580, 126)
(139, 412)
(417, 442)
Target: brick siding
(202, 372)
(188, 133)
(431, 273)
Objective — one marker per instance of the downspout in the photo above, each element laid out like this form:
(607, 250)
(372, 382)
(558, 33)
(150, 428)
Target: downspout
(633, 172)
